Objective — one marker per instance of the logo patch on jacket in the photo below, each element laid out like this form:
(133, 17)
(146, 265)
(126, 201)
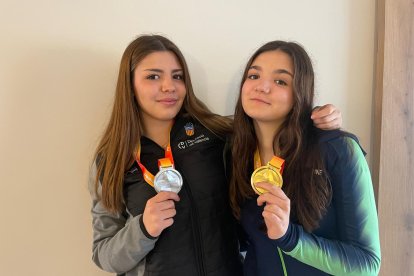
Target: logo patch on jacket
(317, 172)
(189, 129)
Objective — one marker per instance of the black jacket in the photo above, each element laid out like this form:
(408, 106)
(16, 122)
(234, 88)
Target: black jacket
(202, 239)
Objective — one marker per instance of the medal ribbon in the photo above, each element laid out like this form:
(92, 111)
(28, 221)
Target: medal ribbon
(279, 163)
(276, 162)
(168, 161)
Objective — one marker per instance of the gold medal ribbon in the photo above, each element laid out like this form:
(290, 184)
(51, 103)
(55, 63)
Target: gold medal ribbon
(276, 162)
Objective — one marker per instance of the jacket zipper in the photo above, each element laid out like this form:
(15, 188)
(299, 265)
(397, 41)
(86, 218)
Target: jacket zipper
(196, 228)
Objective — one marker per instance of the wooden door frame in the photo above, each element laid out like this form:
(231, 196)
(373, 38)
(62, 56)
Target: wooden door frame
(393, 129)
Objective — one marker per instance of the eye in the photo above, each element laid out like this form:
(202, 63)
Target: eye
(153, 77)
(280, 82)
(253, 76)
(178, 77)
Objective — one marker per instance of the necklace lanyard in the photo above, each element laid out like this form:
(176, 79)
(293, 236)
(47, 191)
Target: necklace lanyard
(167, 161)
(276, 162)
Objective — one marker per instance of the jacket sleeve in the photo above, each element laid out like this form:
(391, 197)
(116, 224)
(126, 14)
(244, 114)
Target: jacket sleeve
(119, 244)
(357, 250)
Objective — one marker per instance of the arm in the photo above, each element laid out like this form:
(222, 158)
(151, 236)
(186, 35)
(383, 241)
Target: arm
(357, 250)
(118, 245)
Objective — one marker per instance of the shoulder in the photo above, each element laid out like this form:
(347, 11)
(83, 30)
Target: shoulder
(339, 148)
(337, 140)
(92, 186)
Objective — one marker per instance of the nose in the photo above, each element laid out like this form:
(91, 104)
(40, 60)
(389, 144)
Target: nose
(168, 85)
(263, 86)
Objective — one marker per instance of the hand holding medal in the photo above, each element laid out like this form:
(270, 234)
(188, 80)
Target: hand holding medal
(276, 212)
(267, 182)
(160, 209)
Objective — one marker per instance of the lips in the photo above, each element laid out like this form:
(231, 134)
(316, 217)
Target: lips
(260, 100)
(168, 101)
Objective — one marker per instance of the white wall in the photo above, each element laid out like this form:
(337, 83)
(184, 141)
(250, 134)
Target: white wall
(58, 66)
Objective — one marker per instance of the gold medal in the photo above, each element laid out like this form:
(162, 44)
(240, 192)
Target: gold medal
(270, 173)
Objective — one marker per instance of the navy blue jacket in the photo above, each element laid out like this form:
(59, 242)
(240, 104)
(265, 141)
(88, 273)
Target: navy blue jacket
(347, 240)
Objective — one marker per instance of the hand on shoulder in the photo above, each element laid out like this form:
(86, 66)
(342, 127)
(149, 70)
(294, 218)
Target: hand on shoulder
(327, 117)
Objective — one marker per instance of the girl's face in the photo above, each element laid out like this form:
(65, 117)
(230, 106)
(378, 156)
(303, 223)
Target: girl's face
(267, 92)
(159, 87)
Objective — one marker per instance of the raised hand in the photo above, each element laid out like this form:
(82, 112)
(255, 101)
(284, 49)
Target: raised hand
(159, 212)
(277, 210)
(327, 117)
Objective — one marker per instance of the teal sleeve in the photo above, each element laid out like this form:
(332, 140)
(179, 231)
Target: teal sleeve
(357, 249)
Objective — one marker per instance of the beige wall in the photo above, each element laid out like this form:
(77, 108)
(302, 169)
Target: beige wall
(58, 66)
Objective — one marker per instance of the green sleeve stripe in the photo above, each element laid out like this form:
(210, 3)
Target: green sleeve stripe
(357, 252)
(282, 261)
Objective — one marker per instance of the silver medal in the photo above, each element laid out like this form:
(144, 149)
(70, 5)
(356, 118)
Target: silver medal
(168, 179)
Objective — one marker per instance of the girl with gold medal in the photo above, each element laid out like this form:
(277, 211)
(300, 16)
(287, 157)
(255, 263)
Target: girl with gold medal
(311, 190)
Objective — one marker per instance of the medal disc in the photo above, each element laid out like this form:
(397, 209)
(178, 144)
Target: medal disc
(265, 174)
(169, 180)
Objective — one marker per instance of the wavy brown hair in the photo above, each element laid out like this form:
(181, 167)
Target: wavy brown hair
(309, 193)
(114, 154)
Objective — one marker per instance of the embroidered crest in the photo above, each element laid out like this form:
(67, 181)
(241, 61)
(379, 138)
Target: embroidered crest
(189, 129)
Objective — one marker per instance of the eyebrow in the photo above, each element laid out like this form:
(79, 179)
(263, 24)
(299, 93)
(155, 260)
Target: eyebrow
(161, 71)
(278, 71)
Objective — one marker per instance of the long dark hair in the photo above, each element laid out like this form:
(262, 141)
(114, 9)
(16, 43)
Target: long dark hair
(114, 153)
(308, 190)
